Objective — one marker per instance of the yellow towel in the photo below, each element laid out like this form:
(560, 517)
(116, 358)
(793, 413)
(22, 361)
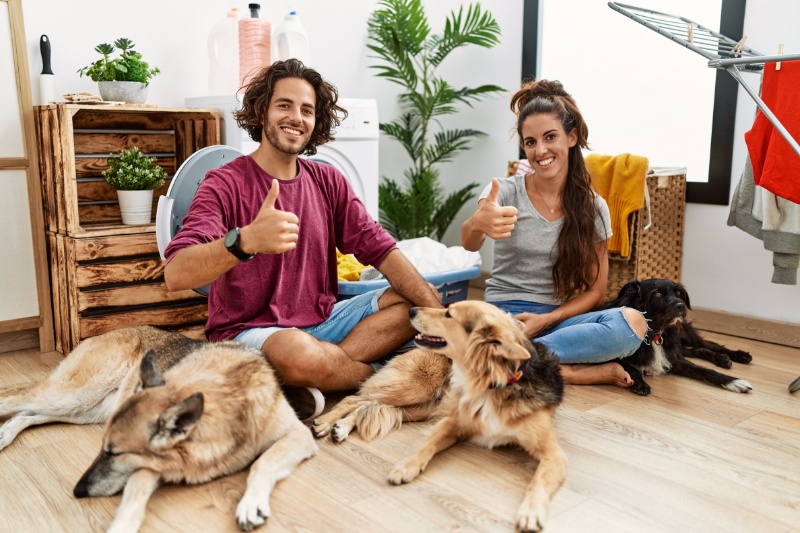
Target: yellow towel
(348, 267)
(620, 179)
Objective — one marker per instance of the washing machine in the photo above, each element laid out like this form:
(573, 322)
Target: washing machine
(354, 152)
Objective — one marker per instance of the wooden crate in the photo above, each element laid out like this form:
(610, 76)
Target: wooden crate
(106, 275)
(74, 143)
(106, 283)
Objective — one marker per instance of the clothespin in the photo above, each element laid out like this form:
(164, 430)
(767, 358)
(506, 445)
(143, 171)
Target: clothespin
(738, 48)
(690, 31)
(780, 52)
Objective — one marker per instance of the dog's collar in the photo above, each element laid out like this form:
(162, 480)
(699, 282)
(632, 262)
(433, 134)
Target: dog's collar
(511, 380)
(658, 338)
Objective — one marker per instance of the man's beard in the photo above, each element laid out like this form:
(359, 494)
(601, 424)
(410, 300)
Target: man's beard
(272, 133)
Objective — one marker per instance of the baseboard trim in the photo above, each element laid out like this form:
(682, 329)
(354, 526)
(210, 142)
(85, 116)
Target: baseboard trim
(11, 341)
(773, 331)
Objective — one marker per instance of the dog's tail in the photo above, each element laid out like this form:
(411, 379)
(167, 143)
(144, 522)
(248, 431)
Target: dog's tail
(375, 420)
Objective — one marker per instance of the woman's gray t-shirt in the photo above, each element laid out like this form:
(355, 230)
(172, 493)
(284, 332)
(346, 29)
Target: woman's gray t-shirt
(523, 263)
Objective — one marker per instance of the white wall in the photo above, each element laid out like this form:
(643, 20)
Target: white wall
(724, 268)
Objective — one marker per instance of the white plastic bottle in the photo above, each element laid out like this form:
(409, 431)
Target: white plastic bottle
(255, 36)
(291, 39)
(223, 55)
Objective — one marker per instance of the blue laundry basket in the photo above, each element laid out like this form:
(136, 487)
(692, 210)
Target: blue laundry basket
(452, 285)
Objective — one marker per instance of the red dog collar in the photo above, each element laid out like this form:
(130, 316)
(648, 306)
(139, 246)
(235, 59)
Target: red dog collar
(513, 379)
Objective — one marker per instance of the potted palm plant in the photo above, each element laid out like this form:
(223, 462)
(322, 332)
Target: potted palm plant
(134, 176)
(123, 78)
(409, 55)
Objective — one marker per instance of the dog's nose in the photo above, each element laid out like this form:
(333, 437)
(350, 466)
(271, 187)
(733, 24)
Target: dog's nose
(680, 305)
(412, 312)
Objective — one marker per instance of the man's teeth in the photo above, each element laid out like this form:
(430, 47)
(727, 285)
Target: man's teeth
(291, 130)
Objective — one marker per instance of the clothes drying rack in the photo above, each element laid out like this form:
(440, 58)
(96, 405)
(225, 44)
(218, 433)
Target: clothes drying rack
(722, 52)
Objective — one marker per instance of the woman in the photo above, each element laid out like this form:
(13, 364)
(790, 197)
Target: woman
(551, 232)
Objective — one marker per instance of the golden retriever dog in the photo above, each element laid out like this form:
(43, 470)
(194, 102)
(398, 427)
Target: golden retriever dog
(216, 409)
(503, 389)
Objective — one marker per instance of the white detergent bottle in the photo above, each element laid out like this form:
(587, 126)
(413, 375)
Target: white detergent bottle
(291, 39)
(223, 55)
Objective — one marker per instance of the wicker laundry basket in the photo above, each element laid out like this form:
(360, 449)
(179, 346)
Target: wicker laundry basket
(657, 239)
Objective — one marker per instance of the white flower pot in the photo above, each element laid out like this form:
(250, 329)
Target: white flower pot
(135, 206)
(131, 92)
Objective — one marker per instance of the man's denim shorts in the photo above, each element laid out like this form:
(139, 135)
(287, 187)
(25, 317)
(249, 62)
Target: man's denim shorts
(344, 317)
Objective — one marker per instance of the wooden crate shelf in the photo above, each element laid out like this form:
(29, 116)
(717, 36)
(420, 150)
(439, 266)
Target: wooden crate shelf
(106, 283)
(74, 145)
(106, 275)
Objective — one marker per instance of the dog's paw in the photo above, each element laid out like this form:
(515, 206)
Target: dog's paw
(253, 510)
(642, 389)
(341, 430)
(723, 361)
(738, 385)
(741, 357)
(531, 517)
(320, 429)
(405, 472)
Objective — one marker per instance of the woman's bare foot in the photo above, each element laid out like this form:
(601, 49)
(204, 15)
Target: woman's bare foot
(604, 373)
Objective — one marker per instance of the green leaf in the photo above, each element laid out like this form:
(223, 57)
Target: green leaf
(131, 170)
(478, 28)
(407, 54)
(448, 210)
(448, 144)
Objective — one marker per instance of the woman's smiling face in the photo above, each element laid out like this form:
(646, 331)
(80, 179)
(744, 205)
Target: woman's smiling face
(547, 145)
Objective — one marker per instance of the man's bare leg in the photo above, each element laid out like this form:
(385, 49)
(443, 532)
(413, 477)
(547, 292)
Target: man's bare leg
(300, 360)
(303, 361)
(380, 333)
(596, 374)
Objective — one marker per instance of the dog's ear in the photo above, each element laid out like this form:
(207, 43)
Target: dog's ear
(502, 343)
(628, 293)
(176, 422)
(680, 290)
(149, 372)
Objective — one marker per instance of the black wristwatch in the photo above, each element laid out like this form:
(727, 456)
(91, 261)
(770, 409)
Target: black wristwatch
(232, 244)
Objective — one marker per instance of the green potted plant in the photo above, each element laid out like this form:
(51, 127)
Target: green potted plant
(123, 78)
(409, 55)
(134, 176)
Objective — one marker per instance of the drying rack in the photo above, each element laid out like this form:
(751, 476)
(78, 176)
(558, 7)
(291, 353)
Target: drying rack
(722, 52)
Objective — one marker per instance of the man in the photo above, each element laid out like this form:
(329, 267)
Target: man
(263, 231)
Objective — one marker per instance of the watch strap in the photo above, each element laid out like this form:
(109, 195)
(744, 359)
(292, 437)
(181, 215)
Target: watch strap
(234, 248)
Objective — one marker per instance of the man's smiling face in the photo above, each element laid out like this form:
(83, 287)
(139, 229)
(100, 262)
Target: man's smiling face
(291, 116)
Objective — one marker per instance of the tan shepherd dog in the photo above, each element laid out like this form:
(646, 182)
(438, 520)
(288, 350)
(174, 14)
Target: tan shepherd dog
(215, 410)
(502, 390)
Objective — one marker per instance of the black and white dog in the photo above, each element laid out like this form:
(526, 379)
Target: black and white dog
(670, 337)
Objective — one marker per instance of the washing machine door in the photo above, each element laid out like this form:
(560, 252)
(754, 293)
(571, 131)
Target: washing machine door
(329, 155)
(175, 205)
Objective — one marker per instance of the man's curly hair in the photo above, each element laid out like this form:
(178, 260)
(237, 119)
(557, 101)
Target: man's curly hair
(258, 94)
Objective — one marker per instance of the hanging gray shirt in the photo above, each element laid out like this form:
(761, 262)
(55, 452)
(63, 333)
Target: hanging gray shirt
(523, 263)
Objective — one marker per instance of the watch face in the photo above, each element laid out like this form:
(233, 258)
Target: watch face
(231, 237)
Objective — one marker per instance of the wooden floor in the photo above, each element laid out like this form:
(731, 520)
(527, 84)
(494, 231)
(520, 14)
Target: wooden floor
(689, 457)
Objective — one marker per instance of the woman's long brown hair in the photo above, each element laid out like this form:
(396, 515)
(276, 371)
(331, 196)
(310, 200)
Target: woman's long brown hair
(577, 265)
